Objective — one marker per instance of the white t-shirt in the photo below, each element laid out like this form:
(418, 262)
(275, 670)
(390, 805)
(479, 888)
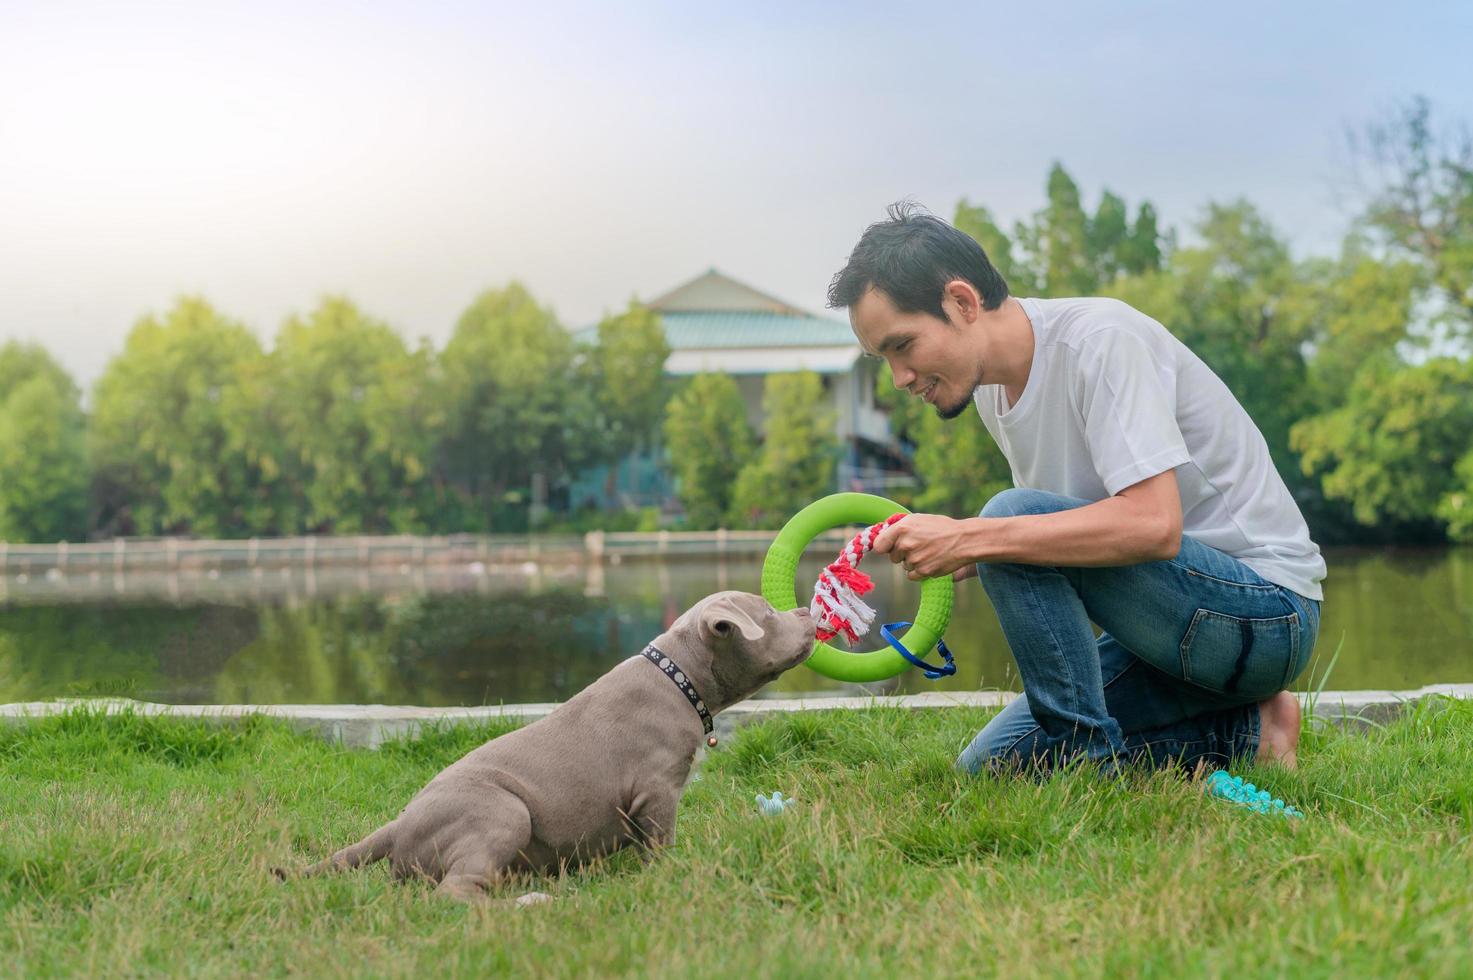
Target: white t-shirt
(1113, 398)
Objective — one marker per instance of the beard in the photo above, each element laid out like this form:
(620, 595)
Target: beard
(948, 412)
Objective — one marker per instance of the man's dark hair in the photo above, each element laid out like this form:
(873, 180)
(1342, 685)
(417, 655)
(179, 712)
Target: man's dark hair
(910, 258)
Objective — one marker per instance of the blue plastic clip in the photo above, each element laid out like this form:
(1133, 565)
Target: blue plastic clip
(932, 673)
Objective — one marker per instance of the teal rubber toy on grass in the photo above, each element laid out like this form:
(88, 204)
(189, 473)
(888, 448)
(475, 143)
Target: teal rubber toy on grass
(1234, 790)
(780, 570)
(771, 807)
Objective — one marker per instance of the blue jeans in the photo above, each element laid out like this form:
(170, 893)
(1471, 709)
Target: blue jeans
(1190, 646)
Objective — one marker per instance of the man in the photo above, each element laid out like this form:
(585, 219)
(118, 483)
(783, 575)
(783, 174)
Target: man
(1144, 500)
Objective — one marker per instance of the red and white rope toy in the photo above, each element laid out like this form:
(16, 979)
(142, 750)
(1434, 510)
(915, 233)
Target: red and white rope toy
(836, 606)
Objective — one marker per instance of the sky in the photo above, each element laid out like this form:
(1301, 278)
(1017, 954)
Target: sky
(411, 155)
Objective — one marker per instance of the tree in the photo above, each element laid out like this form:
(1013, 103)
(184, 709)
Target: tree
(709, 442)
(43, 462)
(20, 362)
(624, 386)
(160, 436)
(256, 430)
(1455, 509)
(976, 221)
(1108, 237)
(796, 463)
(508, 380)
(1362, 314)
(1421, 207)
(1065, 251)
(1060, 241)
(359, 417)
(1141, 251)
(960, 464)
(1399, 449)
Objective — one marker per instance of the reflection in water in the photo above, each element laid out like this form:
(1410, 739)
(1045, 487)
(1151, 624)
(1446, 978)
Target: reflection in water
(441, 636)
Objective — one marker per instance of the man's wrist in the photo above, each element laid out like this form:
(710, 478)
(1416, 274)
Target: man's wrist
(985, 539)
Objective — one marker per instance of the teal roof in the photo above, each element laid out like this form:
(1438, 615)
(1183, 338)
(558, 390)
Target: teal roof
(695, 331)
(719, 328)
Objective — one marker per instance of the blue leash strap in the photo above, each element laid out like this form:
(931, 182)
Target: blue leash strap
(932, 673)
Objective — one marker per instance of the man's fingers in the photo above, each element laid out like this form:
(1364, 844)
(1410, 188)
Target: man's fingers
(965, 572)
(885, 544)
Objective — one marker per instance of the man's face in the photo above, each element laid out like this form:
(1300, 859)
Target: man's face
(925, 353)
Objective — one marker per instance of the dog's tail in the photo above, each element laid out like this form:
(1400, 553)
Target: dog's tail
(374, 847)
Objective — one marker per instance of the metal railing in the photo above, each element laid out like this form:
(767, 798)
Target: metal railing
(173, 554)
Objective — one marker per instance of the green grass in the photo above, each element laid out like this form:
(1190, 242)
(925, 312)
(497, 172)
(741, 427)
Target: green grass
(138, 846)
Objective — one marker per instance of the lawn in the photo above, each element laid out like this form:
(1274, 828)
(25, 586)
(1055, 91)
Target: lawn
(143, 846)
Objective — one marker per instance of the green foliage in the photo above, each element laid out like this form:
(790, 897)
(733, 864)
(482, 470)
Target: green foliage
(1066, 251)
(709, 442)
(160, 431)
(1423, 210)
(1397, 449)
(508, 376)
(1455, 509)
(796, 463)
(627, 380)
(1141, 251)
(359, 419)
(904, 409)
(960, 465)
(1362, 313)
(1061, 239)
(20, 362)
(44, 473)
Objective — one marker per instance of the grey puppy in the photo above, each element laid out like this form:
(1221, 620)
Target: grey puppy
(600, 772)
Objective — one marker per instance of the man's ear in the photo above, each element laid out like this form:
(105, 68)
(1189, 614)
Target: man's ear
(722, 617)
(964, 296)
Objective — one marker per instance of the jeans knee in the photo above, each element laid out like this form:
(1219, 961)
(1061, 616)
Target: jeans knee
(1018, 501)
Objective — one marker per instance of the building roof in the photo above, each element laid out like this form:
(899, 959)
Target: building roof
(705, 330)
(713, 292)
(714, 323)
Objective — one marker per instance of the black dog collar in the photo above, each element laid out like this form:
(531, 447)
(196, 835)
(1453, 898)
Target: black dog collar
(677, 675)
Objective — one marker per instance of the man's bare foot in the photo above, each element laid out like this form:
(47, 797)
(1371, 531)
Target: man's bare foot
(1278, 730)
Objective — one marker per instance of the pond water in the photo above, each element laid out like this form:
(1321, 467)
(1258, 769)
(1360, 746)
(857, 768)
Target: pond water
(464, 635)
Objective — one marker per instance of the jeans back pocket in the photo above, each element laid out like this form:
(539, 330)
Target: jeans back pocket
(1252, 658)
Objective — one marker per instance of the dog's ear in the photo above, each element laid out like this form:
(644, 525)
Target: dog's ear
(722, 616)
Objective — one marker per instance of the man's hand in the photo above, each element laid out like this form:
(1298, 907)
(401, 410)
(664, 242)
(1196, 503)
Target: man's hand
(927, 545)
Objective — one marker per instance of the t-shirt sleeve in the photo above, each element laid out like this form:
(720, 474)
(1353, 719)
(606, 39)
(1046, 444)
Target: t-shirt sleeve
(1129, 410)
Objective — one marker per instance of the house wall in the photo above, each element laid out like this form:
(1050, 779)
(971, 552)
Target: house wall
(851, 398)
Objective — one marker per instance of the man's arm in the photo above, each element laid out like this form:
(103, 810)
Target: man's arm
(1140, 523)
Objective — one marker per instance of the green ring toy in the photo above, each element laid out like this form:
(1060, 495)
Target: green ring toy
(780, 572)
